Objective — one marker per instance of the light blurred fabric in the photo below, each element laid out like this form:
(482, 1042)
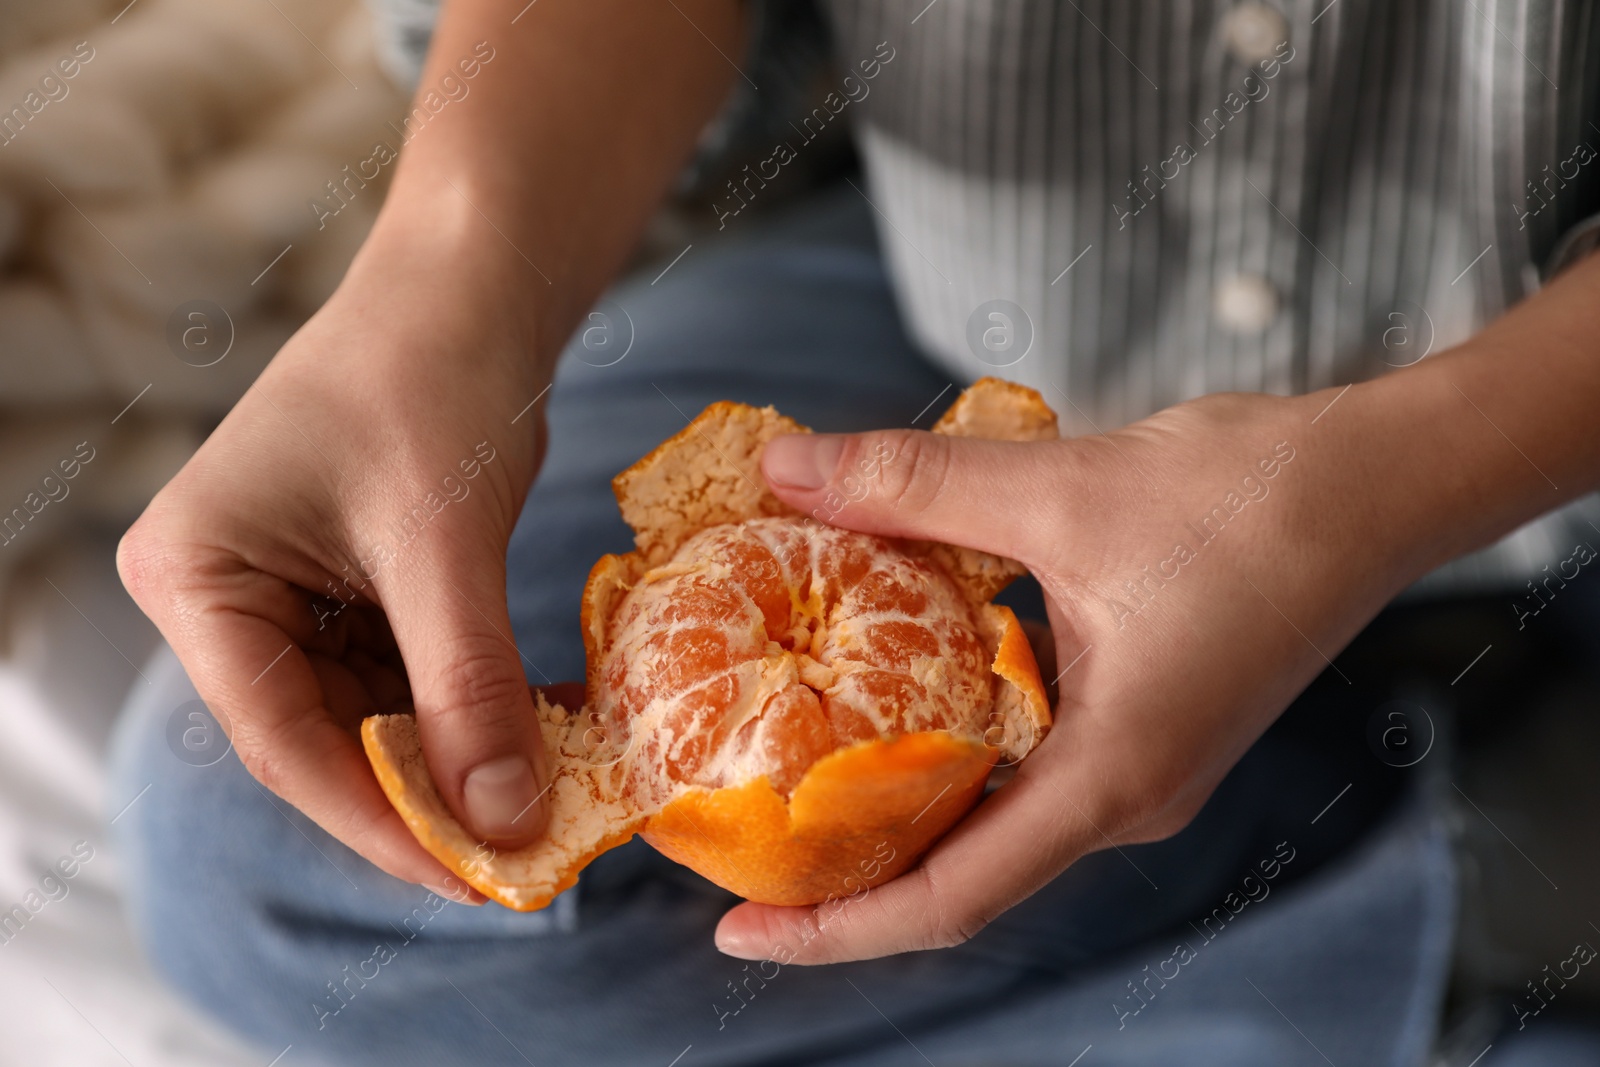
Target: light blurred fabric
(74, 989)
(153, 155)
(175, 164)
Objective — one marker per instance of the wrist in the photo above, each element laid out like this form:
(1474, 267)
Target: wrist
(1424, 465)
(438, 251)
(424, 332)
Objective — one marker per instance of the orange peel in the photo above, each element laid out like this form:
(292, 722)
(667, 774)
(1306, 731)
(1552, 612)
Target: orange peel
(795, 711)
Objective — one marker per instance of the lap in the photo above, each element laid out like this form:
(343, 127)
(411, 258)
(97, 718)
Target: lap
(291, 938)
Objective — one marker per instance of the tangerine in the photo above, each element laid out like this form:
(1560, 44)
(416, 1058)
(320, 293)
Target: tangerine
(794, 710)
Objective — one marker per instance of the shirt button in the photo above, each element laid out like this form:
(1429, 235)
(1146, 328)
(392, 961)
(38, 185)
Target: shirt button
(1253, 31)
(1245, 303)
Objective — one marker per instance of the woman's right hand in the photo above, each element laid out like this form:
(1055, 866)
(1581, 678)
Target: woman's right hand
(337, 548)
(409, 399)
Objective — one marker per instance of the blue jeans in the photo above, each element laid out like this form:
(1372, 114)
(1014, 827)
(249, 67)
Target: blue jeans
(1167, 952)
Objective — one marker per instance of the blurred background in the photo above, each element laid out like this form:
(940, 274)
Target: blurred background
(174, 165)
(173, 204)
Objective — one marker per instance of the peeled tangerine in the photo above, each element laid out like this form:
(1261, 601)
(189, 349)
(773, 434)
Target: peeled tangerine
(794, 710)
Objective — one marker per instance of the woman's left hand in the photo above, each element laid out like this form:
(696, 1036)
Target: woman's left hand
(1200, 568)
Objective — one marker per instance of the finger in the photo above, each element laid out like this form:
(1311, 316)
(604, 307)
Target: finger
(233, 629)
(344, 697)
(1028, 829)
(907, 483)
(385, 687)
(475, 713)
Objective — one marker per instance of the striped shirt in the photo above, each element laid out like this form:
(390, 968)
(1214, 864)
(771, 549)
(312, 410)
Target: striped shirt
(1129, 203)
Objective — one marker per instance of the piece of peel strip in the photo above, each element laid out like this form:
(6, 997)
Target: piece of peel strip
(586, 819)
(859, 817)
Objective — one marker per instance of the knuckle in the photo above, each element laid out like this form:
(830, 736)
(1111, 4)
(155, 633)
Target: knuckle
(1168, 821)
(1062, 491)
(144, 560)
(954, 923)
(912, 465)
(1121, 814)
(1153, 807)
(951, 931)
(1136, 812)
(161, 568)
(262, 759)
(479, 686)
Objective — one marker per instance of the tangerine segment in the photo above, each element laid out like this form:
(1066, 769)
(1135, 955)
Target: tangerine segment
(609, 579)
(587, 816)
(859, 817)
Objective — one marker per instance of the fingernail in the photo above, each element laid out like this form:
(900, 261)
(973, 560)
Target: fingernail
(457, 897)
(802, 460)
(732, 947)
(499, 797)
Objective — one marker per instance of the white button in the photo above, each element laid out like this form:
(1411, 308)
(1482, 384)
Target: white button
(1253, 31)
(1246, 303)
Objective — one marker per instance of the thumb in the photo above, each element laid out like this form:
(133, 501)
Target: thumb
(475, 714)
(986, 495)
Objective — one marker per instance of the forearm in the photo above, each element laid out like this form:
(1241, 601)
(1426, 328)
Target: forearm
(1453, 453)
(537, 184)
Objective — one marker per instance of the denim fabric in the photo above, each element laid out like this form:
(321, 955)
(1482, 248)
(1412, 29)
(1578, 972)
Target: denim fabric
(291, 939)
